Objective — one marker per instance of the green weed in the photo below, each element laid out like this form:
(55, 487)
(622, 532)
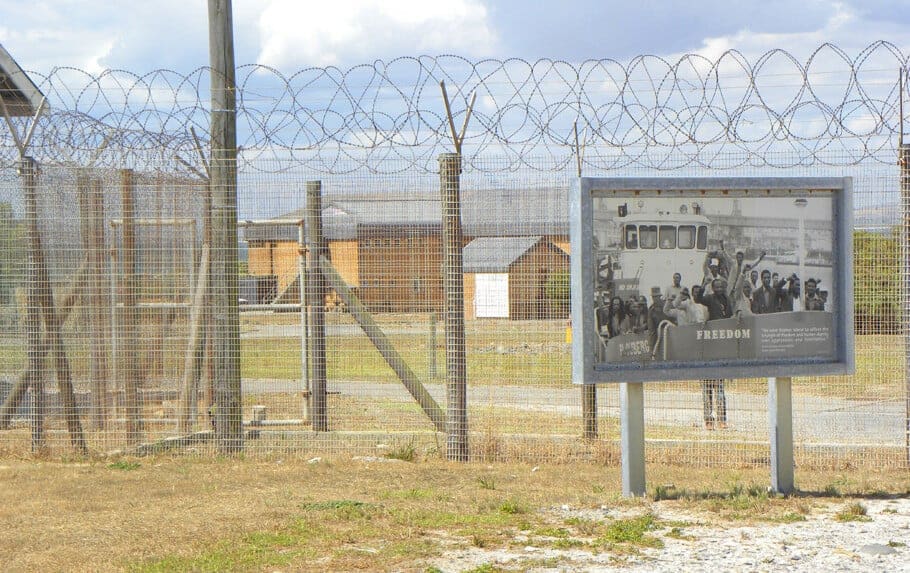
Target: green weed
(856, 511)
(125, 465)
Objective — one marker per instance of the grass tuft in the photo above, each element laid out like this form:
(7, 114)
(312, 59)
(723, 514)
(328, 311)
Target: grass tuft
(512, 507)
(856, 511)
(124, 465)
(406, 452)
(632, 531)
(832, 490)
(486, 482)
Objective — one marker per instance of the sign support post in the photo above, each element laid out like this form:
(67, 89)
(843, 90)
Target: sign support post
(632, 438)
(780, 423)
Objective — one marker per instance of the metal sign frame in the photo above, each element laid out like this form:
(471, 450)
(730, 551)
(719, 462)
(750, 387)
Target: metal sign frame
(587, 369)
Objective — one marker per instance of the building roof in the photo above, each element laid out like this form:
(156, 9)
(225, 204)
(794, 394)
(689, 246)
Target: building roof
(19, 94)
(513, 212)
(342, 215)
(495, 254)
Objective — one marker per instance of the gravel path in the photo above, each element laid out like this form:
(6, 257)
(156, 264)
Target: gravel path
(821, 543)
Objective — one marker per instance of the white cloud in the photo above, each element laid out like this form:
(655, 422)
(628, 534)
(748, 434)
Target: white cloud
(343, 32)
(841, 28)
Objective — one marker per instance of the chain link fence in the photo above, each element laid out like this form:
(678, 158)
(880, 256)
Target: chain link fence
(111, 349)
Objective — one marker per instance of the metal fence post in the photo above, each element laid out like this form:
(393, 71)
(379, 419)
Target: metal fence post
(316, 298)
(780, 422)
(453, 284)
(905, 294)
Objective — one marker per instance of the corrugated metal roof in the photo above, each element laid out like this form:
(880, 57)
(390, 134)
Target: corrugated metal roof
(19, 93)
(495, 254)
(516, 212)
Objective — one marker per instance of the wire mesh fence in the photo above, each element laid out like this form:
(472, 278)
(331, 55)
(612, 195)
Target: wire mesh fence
(108, 316)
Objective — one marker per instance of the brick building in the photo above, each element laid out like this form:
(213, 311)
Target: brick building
(389, 247)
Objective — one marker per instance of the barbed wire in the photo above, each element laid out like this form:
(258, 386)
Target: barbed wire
(389, 116)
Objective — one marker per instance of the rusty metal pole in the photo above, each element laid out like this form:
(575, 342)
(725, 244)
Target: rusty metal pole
(316, 298)
(453, 285)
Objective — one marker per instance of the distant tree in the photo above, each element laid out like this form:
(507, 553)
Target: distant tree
(877, 282)
(556, 290)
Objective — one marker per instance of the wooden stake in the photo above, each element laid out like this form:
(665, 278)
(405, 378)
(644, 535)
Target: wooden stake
(189, 388)
(316, 292)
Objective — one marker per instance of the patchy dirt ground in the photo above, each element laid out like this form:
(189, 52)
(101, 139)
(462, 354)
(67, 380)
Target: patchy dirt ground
(684, 540)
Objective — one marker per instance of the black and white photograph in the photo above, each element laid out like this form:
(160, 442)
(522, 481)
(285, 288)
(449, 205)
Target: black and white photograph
(714, 275)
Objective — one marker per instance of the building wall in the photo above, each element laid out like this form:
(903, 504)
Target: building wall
(344, 257)
(401, 268)
(259, 258)
(285, 263)
(560, 241)
(281, 258)
(470, 293)
(528, 277)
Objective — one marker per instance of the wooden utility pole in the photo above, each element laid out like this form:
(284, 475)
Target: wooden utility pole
(92, 218)
(37, 347)
(316, 291)
(129, 341)
(588, 391)
(453, 283)
(226, 296)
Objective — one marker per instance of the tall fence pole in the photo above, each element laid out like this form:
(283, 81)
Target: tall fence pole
(453, 284)
(35, 345)
(905, 274)
(316, 298)
(130, 316)
(588, 391)
(92, 220)
(208, 363)
(228, 403)
(303, 284)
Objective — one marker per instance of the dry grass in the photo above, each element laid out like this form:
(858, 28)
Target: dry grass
(171, 514)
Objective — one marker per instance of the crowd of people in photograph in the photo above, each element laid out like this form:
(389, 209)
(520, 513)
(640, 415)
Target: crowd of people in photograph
(730, 287)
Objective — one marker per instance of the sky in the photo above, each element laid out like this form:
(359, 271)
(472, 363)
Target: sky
(290, 35)
(294, 35)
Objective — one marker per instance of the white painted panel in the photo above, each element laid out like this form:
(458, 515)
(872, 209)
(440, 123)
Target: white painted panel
(491, 296)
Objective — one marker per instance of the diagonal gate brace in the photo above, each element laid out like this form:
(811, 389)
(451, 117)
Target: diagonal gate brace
(383, 345)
